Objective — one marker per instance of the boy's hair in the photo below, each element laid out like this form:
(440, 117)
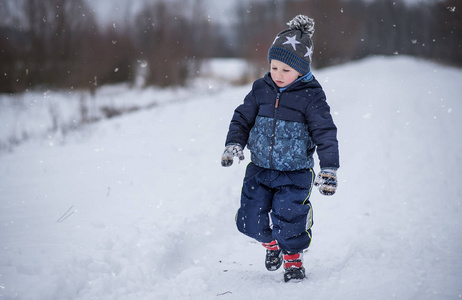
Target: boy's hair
(294, 46)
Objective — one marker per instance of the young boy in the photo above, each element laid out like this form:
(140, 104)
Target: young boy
(282, 121)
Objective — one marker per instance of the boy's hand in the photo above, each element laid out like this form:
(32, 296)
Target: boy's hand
(231, 150)
(327, 181)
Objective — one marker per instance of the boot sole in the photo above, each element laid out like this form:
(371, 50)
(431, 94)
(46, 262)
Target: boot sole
(297, 274)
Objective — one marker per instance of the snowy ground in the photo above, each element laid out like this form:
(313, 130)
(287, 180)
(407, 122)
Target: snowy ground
(138, 206)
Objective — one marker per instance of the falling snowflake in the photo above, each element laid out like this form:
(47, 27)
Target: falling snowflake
(143, 63)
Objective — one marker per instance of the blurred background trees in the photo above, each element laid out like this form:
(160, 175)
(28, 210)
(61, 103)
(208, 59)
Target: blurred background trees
(58, 43)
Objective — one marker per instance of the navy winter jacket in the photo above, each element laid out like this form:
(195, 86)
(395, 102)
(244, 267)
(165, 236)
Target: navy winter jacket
(283, 128)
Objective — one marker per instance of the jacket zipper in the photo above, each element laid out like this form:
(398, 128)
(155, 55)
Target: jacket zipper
(273, 134)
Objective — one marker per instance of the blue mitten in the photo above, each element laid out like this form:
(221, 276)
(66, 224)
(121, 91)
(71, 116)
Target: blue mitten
(327, 181)
(231, 150)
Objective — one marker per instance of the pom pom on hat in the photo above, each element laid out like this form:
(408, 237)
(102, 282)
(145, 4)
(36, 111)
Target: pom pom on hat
(294, 46)
(302, 23)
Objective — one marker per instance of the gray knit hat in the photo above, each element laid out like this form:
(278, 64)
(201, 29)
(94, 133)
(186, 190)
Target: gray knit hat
(294, 46)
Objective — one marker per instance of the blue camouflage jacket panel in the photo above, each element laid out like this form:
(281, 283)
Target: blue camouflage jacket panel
(282, 129)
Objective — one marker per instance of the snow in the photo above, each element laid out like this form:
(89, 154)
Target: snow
(152, 210)
(214, 69)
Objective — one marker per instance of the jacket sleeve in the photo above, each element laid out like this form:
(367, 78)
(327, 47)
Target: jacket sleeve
(323, 131)
(243, 120)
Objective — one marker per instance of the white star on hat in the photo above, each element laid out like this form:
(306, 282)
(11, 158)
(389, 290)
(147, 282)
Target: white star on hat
(309, 52)
(293, 41)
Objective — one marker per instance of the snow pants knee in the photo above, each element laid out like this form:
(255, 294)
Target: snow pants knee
(275, 205)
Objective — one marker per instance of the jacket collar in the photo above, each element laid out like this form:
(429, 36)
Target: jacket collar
(297, 84)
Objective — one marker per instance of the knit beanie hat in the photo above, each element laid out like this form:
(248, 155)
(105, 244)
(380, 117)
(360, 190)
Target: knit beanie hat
(294, 46)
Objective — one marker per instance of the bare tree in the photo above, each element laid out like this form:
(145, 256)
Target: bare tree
(58, 43)
(169, 40)
(259, 22)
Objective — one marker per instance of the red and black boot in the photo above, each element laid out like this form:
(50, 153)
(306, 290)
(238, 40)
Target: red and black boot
(273, 259)
(293, 266)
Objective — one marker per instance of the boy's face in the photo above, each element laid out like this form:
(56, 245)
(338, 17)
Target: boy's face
(282, 74)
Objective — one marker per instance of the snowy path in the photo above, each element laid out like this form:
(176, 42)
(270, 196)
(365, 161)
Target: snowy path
(153, 210)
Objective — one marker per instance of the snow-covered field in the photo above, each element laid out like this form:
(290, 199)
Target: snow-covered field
(139, 207)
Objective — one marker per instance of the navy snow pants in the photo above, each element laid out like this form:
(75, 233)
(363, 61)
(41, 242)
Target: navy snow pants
(275, 205)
